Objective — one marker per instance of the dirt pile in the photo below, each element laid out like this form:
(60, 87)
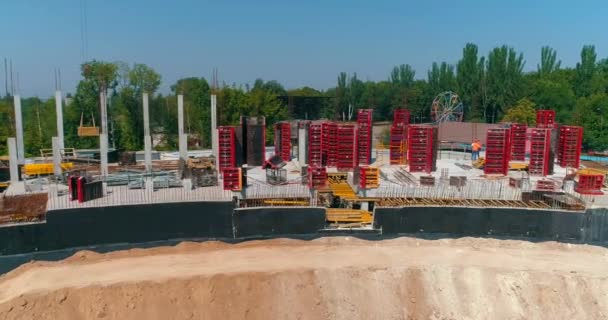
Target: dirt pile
(330, 278)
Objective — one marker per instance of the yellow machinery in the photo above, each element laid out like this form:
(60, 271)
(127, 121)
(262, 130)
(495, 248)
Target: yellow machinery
(338, 215)
(479, 163)
(36, 169)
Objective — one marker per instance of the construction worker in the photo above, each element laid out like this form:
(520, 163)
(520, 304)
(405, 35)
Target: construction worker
(475, 148)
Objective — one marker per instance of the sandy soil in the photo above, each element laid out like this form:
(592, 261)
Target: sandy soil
(329, 278)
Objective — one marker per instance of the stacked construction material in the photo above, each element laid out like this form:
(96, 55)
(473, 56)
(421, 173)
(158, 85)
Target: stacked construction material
(518, 141)
(590, 184)
(317, 177)
(545, 119)
(364, 136)
(226, 147)
(282, 140)
(398, 136)
(315, 144)
(422, 148)
(540, 152)
(330, 143)
(232, 178)
(498, 151)
(569, 146)
(401, 117)
(368, 177)
(545, 185)
(347, 145)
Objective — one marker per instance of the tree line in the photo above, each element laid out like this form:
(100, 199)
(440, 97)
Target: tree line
(493, 87)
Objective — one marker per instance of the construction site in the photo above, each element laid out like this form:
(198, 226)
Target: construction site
(347, 169)
(321, 178)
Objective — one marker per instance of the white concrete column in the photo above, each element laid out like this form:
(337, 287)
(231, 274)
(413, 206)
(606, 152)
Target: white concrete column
(19, 129)
(147, 137)
(183, 142)
(12, 154)
(59, 114)
(214, 141)
(56, 156)
(302, 143)
(103, 137)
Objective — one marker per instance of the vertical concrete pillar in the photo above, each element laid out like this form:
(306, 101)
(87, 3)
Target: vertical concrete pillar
(183, 142)
(302, 143)
(214, 141)
(147, 137)
(56, 156)
(12, 154)
(19, 129)
(59, 114)
(103, 137)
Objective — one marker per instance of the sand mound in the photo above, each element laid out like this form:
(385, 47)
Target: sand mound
(330, 278)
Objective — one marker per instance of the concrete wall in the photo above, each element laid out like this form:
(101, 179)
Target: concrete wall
(122, 224)
(591, 226)
(253, 222)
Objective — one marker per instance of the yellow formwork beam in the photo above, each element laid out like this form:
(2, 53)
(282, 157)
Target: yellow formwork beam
(336, 215)
(33, 169)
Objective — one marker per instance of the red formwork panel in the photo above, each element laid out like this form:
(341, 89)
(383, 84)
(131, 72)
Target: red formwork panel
(401, 117)
(545, 118)
(569, 146)
(282, 140)
(364, 136)
(232, 178)
(347, 146)
(397, 147)
(226, 147)
(590, 184)
(498, 151)
(330, 143)
(421, 146)
(518, 141)
(315, 144)
(317, 177)
(540, 151)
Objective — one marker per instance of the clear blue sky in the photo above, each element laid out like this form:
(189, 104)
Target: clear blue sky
(299, 43)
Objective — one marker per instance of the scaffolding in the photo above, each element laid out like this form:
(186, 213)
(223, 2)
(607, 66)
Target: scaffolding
(226, 147)
(545, 118)
(540, 152)
(422, 148)
(398, 145)
(347, 146)
(364, 136)
(315, 143)
(518, 141)
(282, 140)
(569, 146)
(498, 151)
(330, 143)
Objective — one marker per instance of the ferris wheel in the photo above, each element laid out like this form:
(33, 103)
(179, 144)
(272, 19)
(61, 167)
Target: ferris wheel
(447, 106)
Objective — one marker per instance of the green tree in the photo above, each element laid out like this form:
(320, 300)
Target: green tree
(586, 72)
(442, 78)
(503, 80)
(590, 113)
(469, 72)
(523, 112)
(548, 62)
(402, 75)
